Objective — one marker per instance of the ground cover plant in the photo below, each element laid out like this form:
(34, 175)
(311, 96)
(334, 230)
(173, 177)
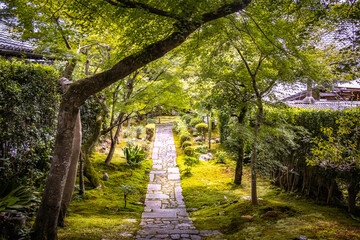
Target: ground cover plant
(101, 213)
(216, 203)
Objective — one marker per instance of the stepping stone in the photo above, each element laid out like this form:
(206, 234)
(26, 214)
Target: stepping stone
(174, 176)
(157, 196)
(153, 204)
(154, 187)
(173, 170)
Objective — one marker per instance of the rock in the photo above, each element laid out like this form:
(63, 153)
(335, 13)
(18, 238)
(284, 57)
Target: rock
(248, 198)
(198, 139)
(301, 238)
(235, 201)
(105, 177)
(221, 213)
(125, 234)
(192, 209)
(205, 157)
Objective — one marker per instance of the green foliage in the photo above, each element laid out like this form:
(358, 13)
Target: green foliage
(220, 156)
(18, 199)
(138, 130)
(189, 162)
(186, 144)
(151, 121)
(150, 131)
(127, 189)
(224, 121)
(338, 148)
(195, 121)
(189, 151)
(133, 155)
(180, 126)
(128, 133)
(202, 128)
(186, 118)
(29, 102)
(185, 136)
(202, 149)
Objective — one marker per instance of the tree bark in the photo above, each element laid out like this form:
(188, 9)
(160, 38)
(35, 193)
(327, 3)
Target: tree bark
(87, 149)
(239, 164)
(45, 226)
(70, 182)
(113, 141)
(81, 176)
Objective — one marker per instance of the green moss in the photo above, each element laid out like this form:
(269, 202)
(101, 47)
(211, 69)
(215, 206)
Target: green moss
(100, 213)
(279, 215)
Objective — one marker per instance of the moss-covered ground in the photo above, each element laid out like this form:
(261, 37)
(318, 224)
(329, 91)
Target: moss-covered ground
(214, 203)
(101, 213)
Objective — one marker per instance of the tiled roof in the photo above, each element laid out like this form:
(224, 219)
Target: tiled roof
(10, 46)
(331, 105)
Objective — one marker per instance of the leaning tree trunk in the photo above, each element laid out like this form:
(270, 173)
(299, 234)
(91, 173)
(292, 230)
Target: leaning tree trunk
(45, 226)
(70, 182)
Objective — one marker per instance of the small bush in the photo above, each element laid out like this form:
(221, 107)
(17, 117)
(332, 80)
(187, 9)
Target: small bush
(184, 137)
(186, 118)
(127, 189)
(202, 128)
(220, 156)
(128, 133)
(180, 126)
(202, 149)
(190, 130)
(150, 131)
(139, 130)
(195, 121)
(186, 144)
(189, 151)
(190, 162)
(133, 155)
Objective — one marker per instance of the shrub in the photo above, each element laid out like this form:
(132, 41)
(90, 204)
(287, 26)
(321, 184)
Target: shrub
(189, 151)
(127, 189)
(184, 137)
(128, 133)
(28, 109)
(133, 155)
(138, 130)
(150, 131)
(190, 162)
(202, 128)
(202, 149)
(195, 121)
(186, 144)
(220, 156)
(186, 118)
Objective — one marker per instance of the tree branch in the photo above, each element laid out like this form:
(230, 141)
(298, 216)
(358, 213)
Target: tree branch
(142, 6)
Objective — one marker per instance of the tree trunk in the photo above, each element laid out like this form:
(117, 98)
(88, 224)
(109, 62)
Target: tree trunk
(45, 226)
(209, 121)
(128, 124)
(87, 149)
(239, 164)
(81, 176)
(353, 190)
(113, 142)
(70, 182)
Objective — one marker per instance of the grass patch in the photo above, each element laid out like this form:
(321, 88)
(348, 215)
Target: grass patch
(280, 215)
(100, 213)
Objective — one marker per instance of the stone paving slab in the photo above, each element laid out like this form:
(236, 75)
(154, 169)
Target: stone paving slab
(165, 215)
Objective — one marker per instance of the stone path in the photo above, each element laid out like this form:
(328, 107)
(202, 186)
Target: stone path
(165, 215)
